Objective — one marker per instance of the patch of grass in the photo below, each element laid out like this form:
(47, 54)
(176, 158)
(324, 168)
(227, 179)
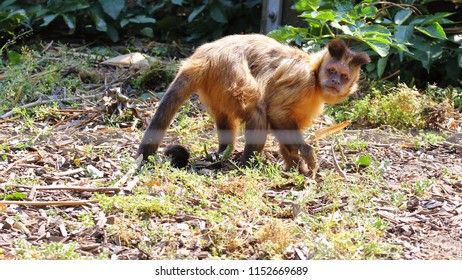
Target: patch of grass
(426, 138)
(400, 107)
(356, 144)
(275, 236)
(51, 251)
(38, 75)
(86, 218)
(136, 205)
(159, 76)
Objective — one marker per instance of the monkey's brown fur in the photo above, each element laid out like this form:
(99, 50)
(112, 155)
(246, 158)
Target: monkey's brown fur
(255, 80)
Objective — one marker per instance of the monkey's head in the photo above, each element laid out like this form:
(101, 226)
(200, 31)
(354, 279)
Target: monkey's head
(339, 71)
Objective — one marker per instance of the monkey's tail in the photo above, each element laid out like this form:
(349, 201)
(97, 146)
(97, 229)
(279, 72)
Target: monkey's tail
(177, 93)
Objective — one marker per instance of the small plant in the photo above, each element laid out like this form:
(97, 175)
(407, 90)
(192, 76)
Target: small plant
(421, 186)
(86, 218)
(402, 108)
(357, 144)
(137, 205)
(275, 236)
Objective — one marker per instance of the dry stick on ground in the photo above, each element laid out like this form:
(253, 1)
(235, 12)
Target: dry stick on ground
(40, 101)
(335, 162)
(49, 203)
(77, 189)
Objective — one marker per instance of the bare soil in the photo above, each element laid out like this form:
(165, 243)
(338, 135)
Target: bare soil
(428, 227)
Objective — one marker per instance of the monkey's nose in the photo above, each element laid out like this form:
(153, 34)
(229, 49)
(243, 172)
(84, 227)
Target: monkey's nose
(335, 82)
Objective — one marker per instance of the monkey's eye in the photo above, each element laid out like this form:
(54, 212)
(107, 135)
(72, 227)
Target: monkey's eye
(344, 77)
(331, 71)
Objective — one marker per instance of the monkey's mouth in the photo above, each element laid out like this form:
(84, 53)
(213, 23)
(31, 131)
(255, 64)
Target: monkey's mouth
(332, 88)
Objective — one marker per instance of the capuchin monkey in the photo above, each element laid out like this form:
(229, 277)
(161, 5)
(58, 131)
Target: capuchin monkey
(268, 86)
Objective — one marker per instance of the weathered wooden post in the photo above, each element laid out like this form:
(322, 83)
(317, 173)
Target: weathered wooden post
(278, 12)
(271, 15)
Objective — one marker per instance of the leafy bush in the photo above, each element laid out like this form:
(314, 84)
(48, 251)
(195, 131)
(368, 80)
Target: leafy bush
(404, 37)
(10, 20)
(167, 19)
(400, 107)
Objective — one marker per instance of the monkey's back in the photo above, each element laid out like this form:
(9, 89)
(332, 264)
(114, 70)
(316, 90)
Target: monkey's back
(233, 74)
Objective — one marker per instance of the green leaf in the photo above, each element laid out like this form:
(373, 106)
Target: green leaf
(47, 19)
(374, 30)
(142, 19)
(70, 21)
(227, 152)
(402, 16)
(148, 32)
(195, 12)
(427, 19)
(433, 30)
(381, 64)
(217, 14)
(112, 33)
(14, 57)
(307, 5)
(66, 7)
(367, 11)
(426, 52)
(403, 33)
(323, 15)
(364, 161)
(6, 3)
(381, 47)
(112, 7)
(177, 2)
(124, 22)
(401, 47)
(16, 196)
(100, 23)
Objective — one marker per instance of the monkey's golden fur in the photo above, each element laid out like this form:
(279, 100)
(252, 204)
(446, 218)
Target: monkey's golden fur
(269, 86)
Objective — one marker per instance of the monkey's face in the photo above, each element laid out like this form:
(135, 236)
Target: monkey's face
(339, 71)
(337, 80)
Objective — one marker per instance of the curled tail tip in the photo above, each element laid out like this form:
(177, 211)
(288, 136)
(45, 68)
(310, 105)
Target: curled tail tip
(178, 154)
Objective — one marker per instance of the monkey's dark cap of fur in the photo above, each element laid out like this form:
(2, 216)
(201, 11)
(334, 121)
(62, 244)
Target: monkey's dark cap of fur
(179, 156)
(336, 48)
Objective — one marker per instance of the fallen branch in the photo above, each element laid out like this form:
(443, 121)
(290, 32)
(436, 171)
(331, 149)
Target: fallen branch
(48, 203)
(40, 101)
(77, 189)
(68, 172)
(336, 165)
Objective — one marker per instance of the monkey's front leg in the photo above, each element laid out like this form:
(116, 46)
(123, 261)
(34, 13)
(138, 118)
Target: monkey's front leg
(293, 148)
(309, 156)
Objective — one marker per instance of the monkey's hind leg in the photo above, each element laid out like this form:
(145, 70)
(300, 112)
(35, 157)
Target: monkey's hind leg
(226, 130)
(256, 131)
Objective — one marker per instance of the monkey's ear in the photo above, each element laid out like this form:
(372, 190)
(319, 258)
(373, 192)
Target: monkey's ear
(360, 58)
(336, 48)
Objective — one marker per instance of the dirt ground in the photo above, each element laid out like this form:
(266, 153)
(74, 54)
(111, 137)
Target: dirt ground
(426, 228)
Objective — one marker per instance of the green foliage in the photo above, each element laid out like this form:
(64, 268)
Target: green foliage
(10, 18)
(401, 36)
(401, 107)
(168, 19)
(207, 19)
(14, 196)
